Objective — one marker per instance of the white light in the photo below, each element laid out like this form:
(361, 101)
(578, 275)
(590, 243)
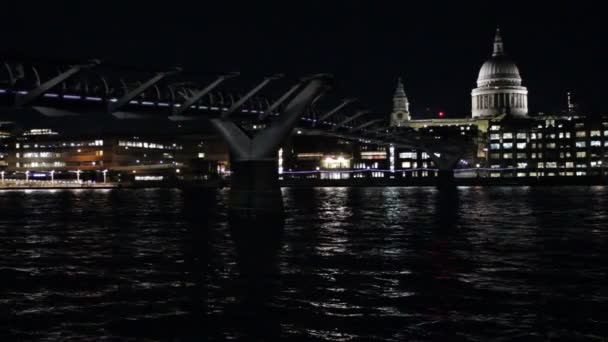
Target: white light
(177, 171)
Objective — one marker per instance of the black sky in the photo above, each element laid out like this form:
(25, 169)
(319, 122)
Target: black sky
(437, 47)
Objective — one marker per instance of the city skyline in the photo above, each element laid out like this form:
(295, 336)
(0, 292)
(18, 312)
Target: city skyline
(437, 54)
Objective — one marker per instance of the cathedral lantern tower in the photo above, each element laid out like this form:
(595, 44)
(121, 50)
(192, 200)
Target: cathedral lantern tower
(401, 107)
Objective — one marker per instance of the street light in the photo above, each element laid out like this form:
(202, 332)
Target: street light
(27, 176)
(52, 175)
(78, 172)
(105, 172)
(2, 174)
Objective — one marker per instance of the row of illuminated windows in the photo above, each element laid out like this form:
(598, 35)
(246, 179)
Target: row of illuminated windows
(60, 144)
(141, 144)
(580, 154)
(18, 155)
(555, 165)
(40, 164)
(374, 174)
(550, 145)
(542, 174)
(539, 135)
(413, 155)
(362, 166)
(413, 165)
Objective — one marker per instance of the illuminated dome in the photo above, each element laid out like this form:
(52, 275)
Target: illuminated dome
(499, 89)
(498, 70)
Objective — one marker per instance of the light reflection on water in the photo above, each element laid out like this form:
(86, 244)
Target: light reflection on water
(388, 264)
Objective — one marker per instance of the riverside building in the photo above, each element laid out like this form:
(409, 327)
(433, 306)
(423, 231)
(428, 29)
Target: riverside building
(42, 154)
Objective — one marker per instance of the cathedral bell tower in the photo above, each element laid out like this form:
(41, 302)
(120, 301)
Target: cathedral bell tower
(401, 107)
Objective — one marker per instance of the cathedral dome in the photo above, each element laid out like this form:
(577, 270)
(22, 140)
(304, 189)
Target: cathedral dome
(499, 69)
(499, 89)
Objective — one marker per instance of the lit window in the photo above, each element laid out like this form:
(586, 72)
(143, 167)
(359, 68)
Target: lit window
(507, 145)
(406, 165)
(551, 165)
(581, 134)
(521, 146)
(582, 154)
(494, 146)
(521, 135)
(495, 128)
(550, 145)
(407, 155)
(377, 174)
(507, 135)
(201, 155)
(596, 143)
(508, 156)
(569, 164)
(521, 156)
(522, 165)
(595, 133)
(581, 144)
(540, 165)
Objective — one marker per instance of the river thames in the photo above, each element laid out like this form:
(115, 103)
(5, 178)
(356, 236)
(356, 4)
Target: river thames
(352, 264)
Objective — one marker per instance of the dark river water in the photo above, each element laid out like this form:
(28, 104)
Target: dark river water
(352, 264)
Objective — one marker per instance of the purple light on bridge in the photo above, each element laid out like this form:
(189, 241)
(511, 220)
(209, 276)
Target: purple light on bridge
(72, 97)
(51, 95)
(92, 98)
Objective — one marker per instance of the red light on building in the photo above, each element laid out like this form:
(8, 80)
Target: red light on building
(441, 114)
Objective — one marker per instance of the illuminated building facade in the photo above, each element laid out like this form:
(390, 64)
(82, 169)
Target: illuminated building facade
(45, 154)
(548, 146)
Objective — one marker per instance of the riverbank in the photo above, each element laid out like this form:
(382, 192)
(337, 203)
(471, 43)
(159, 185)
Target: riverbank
(308, 183)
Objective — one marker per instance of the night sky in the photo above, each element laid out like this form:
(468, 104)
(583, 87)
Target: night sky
(438, 47)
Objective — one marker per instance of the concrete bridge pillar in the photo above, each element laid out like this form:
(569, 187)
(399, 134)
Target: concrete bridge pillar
(445, 179)
(255, 193)
(446, 162)
(254, 189)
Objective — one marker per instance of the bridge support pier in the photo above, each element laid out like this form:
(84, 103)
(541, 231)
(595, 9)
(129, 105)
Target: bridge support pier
(255, 193)
(445, 179)
(446, 162)
(254, 190)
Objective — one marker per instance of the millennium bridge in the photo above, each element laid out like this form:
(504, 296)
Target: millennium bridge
(280, 107)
